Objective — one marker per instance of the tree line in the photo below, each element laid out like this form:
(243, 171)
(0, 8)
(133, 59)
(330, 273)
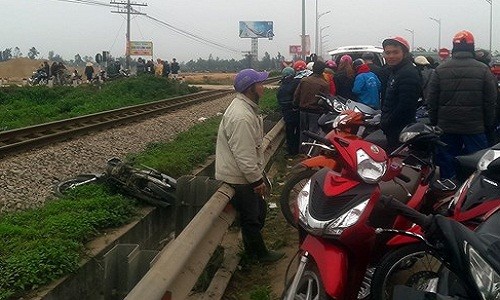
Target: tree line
(199, 65)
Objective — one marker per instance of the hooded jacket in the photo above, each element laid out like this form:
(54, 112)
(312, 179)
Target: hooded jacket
(239, 153)
(399, 106)
(462, 95)
(367, 87)
(305, 94)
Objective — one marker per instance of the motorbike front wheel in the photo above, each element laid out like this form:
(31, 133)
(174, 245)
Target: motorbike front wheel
(289, 194)
(412, 265)
(310, 285)
(63, 187)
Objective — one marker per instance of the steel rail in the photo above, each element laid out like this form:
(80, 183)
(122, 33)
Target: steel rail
(27, 138)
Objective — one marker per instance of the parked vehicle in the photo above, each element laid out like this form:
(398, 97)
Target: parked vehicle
(338, 211)
(347, 118)
(471, 206)
(146, 184)
(39, 77)
(470, 266)
(356, 51)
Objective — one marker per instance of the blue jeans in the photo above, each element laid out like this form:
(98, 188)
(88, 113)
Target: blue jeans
(457, 144)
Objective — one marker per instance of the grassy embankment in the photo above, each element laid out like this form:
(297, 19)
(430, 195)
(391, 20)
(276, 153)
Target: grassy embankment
(26, 106)
(41, 245)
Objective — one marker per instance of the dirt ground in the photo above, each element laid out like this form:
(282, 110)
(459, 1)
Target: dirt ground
(14, 70)
(254, 281)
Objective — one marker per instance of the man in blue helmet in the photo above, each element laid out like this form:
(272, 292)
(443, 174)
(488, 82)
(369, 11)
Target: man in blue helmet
(239, 161)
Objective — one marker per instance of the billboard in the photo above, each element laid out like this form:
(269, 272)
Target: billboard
(141, 48)
(256, 29)
(295, 49)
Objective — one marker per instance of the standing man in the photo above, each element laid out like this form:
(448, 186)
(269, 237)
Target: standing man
(239, 161)
(399, 105)
(462, 99)
(305, 99)
(174, 68)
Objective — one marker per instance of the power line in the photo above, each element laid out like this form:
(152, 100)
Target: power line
(87, 2)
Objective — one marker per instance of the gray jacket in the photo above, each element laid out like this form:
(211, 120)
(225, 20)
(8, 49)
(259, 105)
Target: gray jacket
(239, 153)
(462, 95)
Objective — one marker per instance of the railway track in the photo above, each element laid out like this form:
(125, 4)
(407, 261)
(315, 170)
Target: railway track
(27, 138)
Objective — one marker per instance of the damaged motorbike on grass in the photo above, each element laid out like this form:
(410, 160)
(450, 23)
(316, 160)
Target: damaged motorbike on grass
(148, 185)
(338, 211)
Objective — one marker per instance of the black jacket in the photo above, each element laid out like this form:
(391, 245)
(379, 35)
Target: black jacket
(344, 84)
(285, 98)
(401, 96)
(462, 95)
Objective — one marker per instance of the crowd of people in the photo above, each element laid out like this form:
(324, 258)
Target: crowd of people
(461, 95)
(162, 68)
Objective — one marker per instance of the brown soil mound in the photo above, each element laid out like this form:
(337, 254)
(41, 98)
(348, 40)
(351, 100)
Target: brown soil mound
(18, 68)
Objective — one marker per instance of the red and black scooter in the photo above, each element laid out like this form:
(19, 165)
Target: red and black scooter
(407, 262)
(338, 211)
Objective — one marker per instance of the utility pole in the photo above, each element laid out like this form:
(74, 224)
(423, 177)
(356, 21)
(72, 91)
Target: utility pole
(303, 36)
(125, 7)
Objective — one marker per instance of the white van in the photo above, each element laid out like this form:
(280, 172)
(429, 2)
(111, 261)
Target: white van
(356, 51)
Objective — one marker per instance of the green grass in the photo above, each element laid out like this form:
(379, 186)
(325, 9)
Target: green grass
(41, 245)
(44, 244)
(26, 106)
(268, 103)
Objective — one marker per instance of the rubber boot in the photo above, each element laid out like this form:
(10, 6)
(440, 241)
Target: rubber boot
(255, 247)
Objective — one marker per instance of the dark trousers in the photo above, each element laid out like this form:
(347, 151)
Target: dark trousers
(458, 144)
(292, 131)
(308, 121)
(252, 210)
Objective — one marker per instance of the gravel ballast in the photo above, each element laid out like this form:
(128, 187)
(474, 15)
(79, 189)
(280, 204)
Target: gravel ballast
(28, 178)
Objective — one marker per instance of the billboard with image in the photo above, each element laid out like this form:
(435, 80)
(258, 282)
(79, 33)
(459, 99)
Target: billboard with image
(256, 29)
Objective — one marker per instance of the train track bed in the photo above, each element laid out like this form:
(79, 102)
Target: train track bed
(28, 177)
(18, 140)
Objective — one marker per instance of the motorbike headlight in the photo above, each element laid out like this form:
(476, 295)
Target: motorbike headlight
(303, 202)
(337, 226)
(487, 158)
(486, 279)
(368, 169)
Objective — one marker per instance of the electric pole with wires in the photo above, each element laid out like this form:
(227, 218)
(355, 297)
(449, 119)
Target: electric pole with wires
(125, 7)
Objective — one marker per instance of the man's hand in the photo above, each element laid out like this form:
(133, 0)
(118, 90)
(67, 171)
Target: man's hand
(260, 190)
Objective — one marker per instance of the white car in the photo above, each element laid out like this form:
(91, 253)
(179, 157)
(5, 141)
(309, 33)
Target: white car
(356, 51)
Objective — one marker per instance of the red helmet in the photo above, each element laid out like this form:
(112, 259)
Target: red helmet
(463, 36)
(299, 65)
(331, 64)
(399, 40)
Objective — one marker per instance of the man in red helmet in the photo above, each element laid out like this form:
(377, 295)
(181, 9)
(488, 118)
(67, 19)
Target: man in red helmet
(399, 105)
(462, 99)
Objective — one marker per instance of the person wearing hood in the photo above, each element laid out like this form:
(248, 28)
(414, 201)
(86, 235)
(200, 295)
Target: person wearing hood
(462, 100)
(399, 105)
(366, 84)
(289, 112)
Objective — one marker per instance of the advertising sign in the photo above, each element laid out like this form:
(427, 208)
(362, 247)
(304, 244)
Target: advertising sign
(256, 29)
(141, 48)
(295, 49)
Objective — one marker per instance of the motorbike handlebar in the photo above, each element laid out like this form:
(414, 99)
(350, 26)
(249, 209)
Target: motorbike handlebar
(317, 137)
(413, 215)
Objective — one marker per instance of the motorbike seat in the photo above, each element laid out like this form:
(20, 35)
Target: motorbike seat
(470, 161)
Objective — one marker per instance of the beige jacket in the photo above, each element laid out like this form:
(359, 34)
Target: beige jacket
(239, 153)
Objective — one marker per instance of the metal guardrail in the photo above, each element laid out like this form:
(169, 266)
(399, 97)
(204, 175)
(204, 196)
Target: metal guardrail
(180, 264)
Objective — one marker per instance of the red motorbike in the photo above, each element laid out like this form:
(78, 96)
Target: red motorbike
(408, 260)
(339, 215)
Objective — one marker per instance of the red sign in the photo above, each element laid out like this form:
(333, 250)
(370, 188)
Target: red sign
(295, 49)
(444, 53)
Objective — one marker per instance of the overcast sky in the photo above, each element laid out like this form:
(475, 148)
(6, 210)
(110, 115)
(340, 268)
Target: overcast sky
(68, 28)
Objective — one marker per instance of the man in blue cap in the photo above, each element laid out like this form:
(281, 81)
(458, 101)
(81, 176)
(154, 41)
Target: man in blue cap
(239, 161)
